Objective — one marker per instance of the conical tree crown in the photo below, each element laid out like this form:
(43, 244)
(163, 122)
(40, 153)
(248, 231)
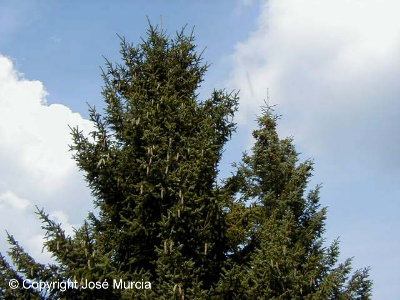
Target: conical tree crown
(278, 249)
(152, 162)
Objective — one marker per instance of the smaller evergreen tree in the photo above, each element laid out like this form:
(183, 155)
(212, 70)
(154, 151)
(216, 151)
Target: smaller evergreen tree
(276, 228)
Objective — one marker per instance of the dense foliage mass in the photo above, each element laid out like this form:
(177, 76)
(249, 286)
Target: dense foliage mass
(164, 217)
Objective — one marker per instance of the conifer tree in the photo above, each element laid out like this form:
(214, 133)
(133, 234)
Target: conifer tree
(276, 228)
(152, 166)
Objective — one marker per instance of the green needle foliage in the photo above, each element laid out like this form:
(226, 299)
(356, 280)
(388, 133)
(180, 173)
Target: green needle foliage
(152, 166)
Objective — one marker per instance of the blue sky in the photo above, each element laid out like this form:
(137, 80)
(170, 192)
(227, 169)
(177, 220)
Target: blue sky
(45, 38)
(332, 68)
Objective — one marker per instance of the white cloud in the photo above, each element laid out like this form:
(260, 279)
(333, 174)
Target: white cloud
(34, 135)
(331, 63)
(62, 218)
(36, 167)
(8, 198)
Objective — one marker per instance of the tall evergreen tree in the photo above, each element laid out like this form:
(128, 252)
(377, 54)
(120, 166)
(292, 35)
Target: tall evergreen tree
(152, 166)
